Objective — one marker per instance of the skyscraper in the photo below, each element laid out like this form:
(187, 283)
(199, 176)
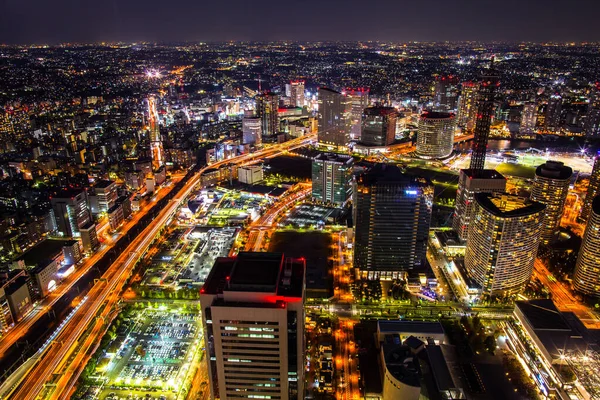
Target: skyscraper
(297, 93)
(71, 211)
(485, 111)
(379, 126)
(591, 125)
(587, 269)
(551, 187)
(332, 178)
(467, 106)
(359, 100)
(392, 213)
(446, 93)
(267, 107)
(253, 318)
(553, 113)
(504, 236)
(252, 130)
(528, 120)
(435, 138)
(334, 118)
(592, 192)
(471, 182)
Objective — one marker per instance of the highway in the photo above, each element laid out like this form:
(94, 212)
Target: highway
(105, 295)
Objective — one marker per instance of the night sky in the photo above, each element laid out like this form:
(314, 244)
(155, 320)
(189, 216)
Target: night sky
(55, 21)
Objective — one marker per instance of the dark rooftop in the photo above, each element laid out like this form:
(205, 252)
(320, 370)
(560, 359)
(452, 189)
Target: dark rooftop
(596, 205)
(402, 364)
(483, 173)
(554, 170)
(103, 184)
(436, 115)
(388, 173)
(47, 249)
(253, 271)
(542, 314)
(380, 110)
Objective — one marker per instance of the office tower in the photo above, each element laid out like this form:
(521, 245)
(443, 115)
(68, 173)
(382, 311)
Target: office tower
(252, 130)
(467, 106)
(359, 100)
(89, 237)
(587, 269)
(551, 187)
(504, 236)
(471, 182)
(392, 213)
(253, 317)
(71, 211)
(297, 93)
(528, 120)
(106, 192)
(553, 112)
(592, 191)
(446, 93)
(334, 118)
(379, 126)
(435, 139)
(156, 146)
(591, 125)
(485, 110)
(267, 107)
(332, 178)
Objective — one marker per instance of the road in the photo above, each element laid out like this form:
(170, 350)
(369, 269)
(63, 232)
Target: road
(23, 326)
(105, 295)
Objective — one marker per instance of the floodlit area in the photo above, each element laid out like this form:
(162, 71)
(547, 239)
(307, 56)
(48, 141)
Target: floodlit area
(310, 216)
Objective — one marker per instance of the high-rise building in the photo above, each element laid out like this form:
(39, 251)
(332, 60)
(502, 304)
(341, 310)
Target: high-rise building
(446, 93)
(392, 213)
(467, 106)
(71, 211)
(528, 120)
(553, 113)
(587, 269)
(504, 236)
(551, 187)
(252, 130)
(334, 118)
(486, 95)
(253, 317)
(359, 100)
(267, 107)
(332, 178)
(591, 125)
(471, 182)
(106, 192)
(297, 93)
(379, 126)
(435, 139)
(89, 237)
(592, 191)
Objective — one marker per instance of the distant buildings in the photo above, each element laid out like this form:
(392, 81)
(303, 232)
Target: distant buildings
(504, 235)
(551, 187)
(252, 130)
(528, 121)
(392, 214)
(106, 194)
(359, 100)
(552, 117)
(467, 106)
(486, 95)
(267, 106)
(592, 192)
(445, 97)
(435, 138)
(471, 182)
(71, 212)
(297, 93)
(253, 318)
(379, 126)
(591, 125)
(587, 269)
(332, 178)
(334, 118)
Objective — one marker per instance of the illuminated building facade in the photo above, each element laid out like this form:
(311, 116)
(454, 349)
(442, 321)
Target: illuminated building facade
(332, 178)
(379, 126)
(553, 113)
(71, 212)
(486, 95)
(252, 130)
(467, 106)
(587, 269)
(253, 318)
(435, 138)
(297, 93)
(334, 118)
(267, 107)
(471, 182)
(359, 100)
(551, 187)
(592, 191)
(392, 214)
(446, 93)
(591, 125)
(528, 121)
(504, 235)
